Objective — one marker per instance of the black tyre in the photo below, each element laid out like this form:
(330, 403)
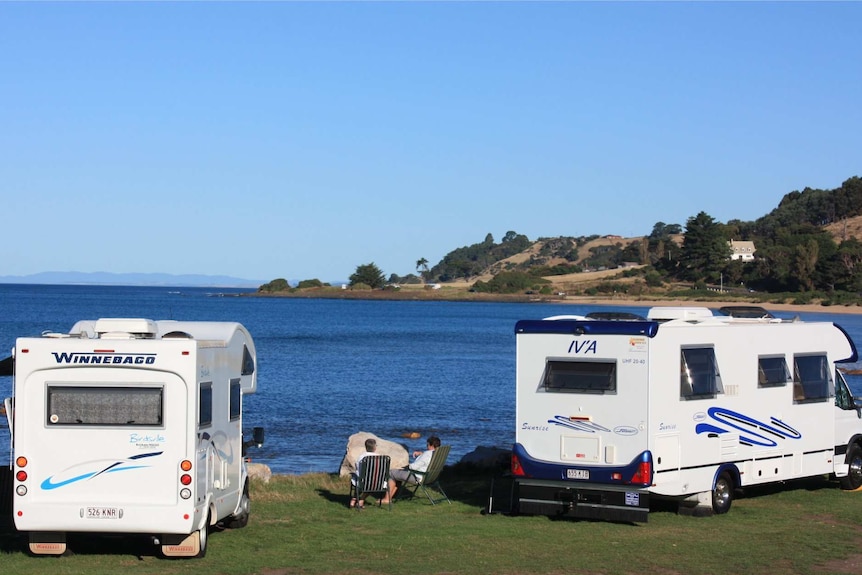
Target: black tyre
(722, 493)
(853, 480)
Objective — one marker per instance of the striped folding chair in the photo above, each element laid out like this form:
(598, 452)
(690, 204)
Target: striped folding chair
(372, 478)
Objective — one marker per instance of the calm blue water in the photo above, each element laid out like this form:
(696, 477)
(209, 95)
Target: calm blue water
(330, 368)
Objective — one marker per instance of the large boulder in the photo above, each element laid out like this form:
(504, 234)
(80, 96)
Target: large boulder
(356, 446)
(259, 471)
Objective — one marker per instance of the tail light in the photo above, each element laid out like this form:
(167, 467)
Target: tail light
(185, 479)
(517, 470)
(21, 475)
(21, 463)
(643, 474)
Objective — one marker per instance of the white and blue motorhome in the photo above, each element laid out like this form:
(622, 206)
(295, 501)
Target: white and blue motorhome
(683, 404)
(131, 426)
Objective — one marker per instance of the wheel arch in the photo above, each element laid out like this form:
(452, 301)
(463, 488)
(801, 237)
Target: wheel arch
(731, 470)
(856, 440)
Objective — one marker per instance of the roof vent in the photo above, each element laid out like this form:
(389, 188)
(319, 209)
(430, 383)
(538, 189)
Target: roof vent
(121, 328)
(683, 313)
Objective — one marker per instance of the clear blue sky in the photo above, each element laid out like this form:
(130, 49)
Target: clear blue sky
(299, 140)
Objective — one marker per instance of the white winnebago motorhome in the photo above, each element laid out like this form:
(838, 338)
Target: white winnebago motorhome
(684, 405)
(131, 426)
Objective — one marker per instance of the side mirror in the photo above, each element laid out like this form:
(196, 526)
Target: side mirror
(257, 436)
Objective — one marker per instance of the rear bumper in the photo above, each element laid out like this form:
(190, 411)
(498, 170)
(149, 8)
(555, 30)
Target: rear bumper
(127, 519)
(582, 500)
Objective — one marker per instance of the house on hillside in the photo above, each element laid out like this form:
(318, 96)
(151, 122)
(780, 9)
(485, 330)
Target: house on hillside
(741, 250)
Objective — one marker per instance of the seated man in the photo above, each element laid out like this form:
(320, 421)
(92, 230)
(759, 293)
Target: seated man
(423, 458)
(370, 448)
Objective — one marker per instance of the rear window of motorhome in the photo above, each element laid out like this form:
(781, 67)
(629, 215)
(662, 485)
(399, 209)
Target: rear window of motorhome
(83, 405)
(699, 375)
(580, 376)
(812, 379)
(772, 371)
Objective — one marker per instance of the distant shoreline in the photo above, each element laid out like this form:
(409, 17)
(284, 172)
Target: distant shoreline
(456, 294)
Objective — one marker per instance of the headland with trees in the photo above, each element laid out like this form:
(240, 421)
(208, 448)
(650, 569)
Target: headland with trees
(808, 251)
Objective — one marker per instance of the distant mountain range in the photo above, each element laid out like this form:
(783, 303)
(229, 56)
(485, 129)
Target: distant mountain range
(105, 278)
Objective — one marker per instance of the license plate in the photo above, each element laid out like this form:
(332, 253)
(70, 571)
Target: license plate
(103, 513)
(578, 473)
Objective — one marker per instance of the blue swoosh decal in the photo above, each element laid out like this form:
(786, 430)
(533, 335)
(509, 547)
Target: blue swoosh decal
(47, 484)
(751, 431)
(119, 465)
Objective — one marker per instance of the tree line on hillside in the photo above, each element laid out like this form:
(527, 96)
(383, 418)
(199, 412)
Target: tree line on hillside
(794, 253)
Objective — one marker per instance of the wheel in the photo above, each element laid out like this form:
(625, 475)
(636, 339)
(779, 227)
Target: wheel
(722, 493)
(853, 480)
(241, 518)
(203, 536)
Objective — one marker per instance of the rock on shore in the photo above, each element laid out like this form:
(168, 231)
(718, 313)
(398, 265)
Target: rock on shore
(356, 446)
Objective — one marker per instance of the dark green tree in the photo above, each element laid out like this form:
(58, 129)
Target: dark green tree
(275, 285)
(368, 274)
(422, 267)
(662, 231)
(848, 266)
(312, 283)
(705, 251)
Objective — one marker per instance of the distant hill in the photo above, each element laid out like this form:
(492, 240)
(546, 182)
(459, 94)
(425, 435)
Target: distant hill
(136, 279)
(838, 212)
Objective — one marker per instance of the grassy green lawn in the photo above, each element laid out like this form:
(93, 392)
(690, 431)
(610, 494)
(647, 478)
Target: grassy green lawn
(301, 524)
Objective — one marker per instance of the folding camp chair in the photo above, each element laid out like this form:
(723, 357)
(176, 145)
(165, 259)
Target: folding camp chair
(430, 478)
(372, 477)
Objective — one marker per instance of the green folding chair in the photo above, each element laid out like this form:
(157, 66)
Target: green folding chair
(430, 478)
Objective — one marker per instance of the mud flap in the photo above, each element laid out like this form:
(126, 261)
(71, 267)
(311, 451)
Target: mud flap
(181, 545)
(47, 543)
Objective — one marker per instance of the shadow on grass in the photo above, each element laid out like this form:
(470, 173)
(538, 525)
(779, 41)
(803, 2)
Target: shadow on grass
(464, 483)
(10, 539)
(140, 546)
(805, 484)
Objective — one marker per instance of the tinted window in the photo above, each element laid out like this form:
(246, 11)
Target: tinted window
(772, 372)
(205, 408)
(235, 399)
(247, 362)
(104, 405)
(812, 379)
(580, 376)
(699, 376)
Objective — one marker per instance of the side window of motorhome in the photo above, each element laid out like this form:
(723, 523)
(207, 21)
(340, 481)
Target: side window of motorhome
(205, 407)
(235, 400)
(247, 362)
(91, 405)
(699, 375)
(812, 379)
(772, 371)
(580, 376)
